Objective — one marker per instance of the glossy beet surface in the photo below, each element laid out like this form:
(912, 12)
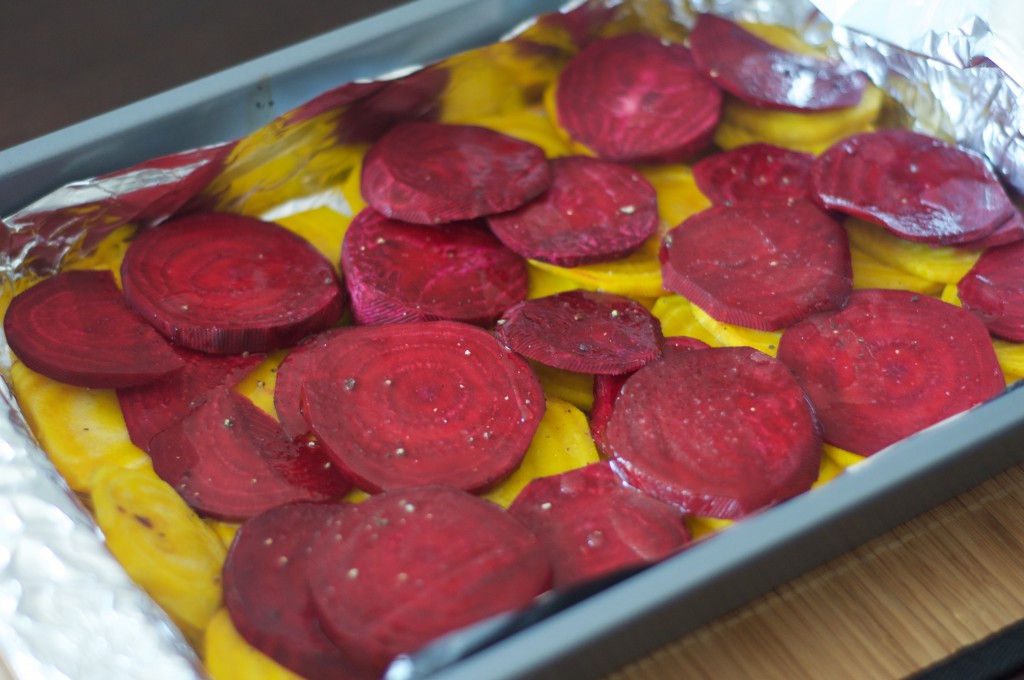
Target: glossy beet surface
(994, 291)
(756, 172)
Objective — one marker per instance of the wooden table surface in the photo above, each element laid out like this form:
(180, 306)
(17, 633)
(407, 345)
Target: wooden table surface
(894, 606)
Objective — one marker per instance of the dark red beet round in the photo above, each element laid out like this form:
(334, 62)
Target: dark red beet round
(152, 408)
(607, 388)
(889, 364)
(431, 173)
(631, 98)
(583, 331)
(1010, 231)
(401, 272)
(592, 524)
(266, 588)
(721, 432)
(994, 291)
(756, 172)
(75, 328)
(228, 284)
(594, 211)
(763, 75)
(760, 265)
(434, 402)
(917, 187)
(230, 460)
(288, 388)
(420, 563)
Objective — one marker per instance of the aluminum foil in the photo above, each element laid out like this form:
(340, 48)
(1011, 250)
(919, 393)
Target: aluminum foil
(67, 610)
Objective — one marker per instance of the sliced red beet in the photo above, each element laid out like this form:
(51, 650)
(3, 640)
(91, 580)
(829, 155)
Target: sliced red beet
(420, 563)
(228, 284)
(75, 328)
(763, 75)
(288, 389)
(594, 211)
(756, 172)
(994, 291)
(152, 408)
(431, 173)
(1010, 231)
(583, 331)
(760, 265)
(401, 272)
(720, 433)
(230, 460)
(632, 98)
(266, 589)
(607, 388)
(435, 402)
(592, 524)
(888, 365)
(917, 187)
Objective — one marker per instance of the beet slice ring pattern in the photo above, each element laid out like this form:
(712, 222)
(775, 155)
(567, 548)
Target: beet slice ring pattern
(228, 284)
(917, 187)
(436, 402)
(756, 172)
(763, 75)
(420, 563)
(888, 365)
(431, 173)
(633, 99)
(401, 272)
(592, 524)
(266, 588)
(720, 432)
(994, 291)
(583, 331)
(594, 211)
(75, 328)
(759, 265)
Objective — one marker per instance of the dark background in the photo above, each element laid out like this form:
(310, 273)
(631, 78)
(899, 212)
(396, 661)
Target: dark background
(62, 62)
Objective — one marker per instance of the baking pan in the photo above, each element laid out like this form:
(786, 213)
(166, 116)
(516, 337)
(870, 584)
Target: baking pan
(567, 636)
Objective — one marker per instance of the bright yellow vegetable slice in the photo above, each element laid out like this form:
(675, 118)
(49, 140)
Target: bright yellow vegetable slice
(943, 264)
(636, 275)
(323, 227)
(870, 272)
(543, 282)
(164, 546)
(677, 319)
(730, 335)
(79, 428)
(678, 195)
(259, 384)
(530, 126)
(842, 457)
(562, 443)
(230, 657)
(107, 254)
(225, 530)
(478, 86)
(575, 388)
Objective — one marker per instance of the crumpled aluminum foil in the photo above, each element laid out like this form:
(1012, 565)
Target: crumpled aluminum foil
(67, 610)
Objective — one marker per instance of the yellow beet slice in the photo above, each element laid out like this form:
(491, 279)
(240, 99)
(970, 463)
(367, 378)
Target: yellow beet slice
(636, 275)
(225, 530)
(575, 388)
(543, 282)
(677, 319)
(562, 443)
(323, 227)
(705, 526)
(107, 254)
(678, 195)
(478, 86)
(259, 384)
(164, 546)
(230, 657)
(79, 428)
(731, 335)
(870, 272)
(943, 264)
(829, 471)
(842, 457)
(530, 126)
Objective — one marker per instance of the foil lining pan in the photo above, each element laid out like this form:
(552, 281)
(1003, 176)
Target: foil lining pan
(68, 609)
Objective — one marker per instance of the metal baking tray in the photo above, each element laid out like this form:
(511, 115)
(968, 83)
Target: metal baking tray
(601, 632)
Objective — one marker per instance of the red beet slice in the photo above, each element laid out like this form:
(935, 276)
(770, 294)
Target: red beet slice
(266, 588)
(594, 211)
(760, 265)
(763, 75)
(889, 364)
(583, 331)
(720, 433)
(152, 408)
(632, 98)
(408, 404)
(288, 389)
(422, 562)
(430, 173)
(756, 172)
(228, 284)
(917, 187)
(592, 524)
(1010, 231)
(230, 460)
(994, 291)
(75, 328)
(401, 272)
(607, 388)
